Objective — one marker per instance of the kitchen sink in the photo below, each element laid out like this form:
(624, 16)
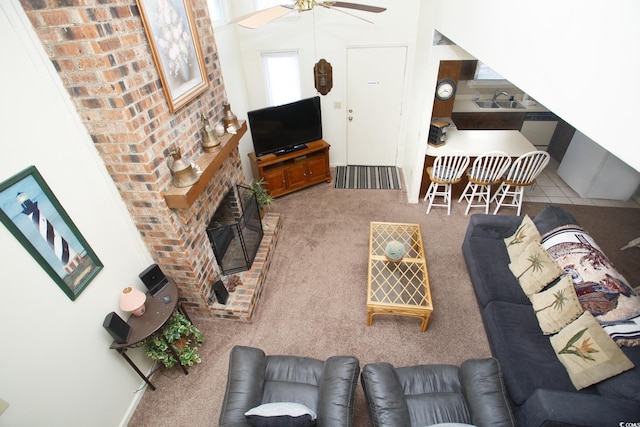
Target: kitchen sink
(486, 104)
(510, 104)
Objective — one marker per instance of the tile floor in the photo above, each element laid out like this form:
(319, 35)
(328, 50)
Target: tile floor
(551, 188)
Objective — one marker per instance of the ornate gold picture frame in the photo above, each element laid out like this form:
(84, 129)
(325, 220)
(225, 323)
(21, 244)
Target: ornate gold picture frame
(171, 31)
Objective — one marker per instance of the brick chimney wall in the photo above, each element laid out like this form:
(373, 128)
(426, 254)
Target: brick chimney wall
(101, 53)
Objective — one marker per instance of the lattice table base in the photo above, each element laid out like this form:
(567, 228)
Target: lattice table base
(399, 288)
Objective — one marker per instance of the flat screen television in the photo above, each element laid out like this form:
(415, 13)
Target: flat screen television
(285, 128)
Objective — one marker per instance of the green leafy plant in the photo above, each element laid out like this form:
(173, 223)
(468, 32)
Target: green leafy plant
(262, 196)
(183, 337)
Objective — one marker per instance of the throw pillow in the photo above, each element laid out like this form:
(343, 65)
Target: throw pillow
(534, 268)
(557, 306)
(518, 241)
(601, 289)
(588, 353)
(281, 414)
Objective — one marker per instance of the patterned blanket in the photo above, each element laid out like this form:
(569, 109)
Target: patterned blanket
(601, 289)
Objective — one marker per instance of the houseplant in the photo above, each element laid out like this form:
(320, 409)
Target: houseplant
(263, 198)
(184, 338)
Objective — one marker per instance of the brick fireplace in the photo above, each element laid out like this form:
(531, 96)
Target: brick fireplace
(101, 54)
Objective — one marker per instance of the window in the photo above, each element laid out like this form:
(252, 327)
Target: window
(282, 74)
(483, 72)
(216, 12)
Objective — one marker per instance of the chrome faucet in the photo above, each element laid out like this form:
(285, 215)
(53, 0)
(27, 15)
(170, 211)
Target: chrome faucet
(497, 94)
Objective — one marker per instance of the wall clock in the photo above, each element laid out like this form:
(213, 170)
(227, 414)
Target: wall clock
(445, 89)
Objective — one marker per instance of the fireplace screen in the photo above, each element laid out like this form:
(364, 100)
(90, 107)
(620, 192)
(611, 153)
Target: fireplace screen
(235, 231)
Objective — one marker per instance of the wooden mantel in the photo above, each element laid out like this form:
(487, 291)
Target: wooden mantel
(209, 164)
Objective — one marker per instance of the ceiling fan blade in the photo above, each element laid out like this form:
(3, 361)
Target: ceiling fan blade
(325, 5)
(356, 6)
(262, 17)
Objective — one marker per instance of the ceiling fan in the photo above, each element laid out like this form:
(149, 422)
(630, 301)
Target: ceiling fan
(262, 17)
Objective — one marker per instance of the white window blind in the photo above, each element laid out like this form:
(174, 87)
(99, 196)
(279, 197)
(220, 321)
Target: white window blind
(282, 72)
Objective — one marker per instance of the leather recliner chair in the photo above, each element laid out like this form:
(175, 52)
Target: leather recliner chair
(326, 387)
(425, 395)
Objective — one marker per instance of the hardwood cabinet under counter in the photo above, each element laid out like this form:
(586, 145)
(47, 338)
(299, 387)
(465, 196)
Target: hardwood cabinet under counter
(474, 143)
(488, 121)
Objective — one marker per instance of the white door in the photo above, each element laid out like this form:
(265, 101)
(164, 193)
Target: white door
(375, 82)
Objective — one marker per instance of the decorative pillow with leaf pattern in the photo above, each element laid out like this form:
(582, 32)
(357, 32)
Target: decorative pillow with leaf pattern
(588, 353)
(557, 306)
(518, 241)
(534, 268)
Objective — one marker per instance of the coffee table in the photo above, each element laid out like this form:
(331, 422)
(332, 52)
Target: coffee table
(399, 288)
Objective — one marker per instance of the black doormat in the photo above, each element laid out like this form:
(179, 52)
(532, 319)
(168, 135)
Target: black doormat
(367, 177)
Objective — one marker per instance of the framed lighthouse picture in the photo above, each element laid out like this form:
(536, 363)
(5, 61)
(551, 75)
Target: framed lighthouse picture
(29, 209)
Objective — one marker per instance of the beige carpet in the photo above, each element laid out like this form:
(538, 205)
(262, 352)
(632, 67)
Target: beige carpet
(313, 303)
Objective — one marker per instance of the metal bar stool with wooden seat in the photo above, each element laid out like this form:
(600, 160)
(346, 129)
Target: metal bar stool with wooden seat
(522, 173)
(447, 169)
(487, 170)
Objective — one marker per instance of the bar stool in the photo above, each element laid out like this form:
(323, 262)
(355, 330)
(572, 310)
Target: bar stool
(487, 170)
(523, 173)
(447, 169)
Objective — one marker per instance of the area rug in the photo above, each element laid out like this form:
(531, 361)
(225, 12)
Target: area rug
(367, 177)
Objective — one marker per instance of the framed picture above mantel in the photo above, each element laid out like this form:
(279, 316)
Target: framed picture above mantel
(175, 45)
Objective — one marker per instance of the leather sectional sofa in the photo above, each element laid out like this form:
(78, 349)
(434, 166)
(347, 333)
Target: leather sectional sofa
(538, 385)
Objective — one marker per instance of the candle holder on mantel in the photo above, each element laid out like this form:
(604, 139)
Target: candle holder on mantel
(184, 173)
(210, 141)
(230, 119)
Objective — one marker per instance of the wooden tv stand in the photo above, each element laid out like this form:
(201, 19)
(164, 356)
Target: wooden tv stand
(293, 171)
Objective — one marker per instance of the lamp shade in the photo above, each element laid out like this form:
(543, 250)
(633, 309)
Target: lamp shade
(132, 301)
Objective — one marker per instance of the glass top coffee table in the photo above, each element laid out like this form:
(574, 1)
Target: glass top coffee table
(402, 287)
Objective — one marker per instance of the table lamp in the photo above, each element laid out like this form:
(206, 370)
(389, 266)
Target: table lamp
(132, 301)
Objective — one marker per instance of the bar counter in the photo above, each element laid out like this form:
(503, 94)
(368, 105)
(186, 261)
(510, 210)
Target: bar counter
(474, 143)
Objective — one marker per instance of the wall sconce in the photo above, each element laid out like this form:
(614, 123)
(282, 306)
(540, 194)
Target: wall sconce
(323, 76)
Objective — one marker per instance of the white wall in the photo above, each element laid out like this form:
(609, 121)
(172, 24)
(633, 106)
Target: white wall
(56, 368)
(234, 75)
(568, 55)
(323, 33)
(564, 55)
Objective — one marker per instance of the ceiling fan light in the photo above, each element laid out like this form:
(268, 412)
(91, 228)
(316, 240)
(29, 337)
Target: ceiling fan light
(304, 5)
